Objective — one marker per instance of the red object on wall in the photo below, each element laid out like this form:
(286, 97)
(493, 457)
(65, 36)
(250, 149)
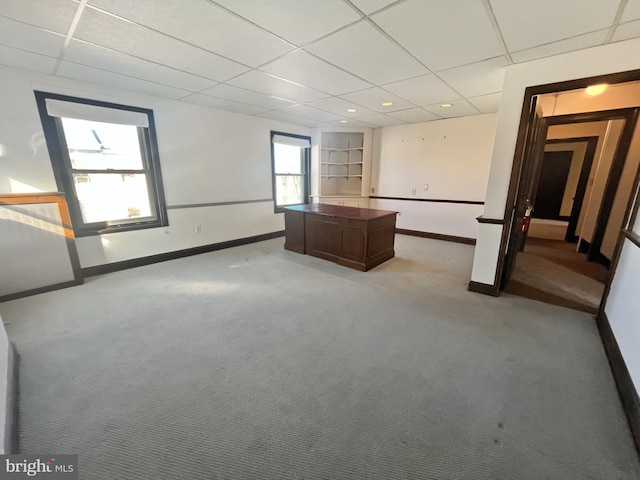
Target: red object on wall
(527, 219)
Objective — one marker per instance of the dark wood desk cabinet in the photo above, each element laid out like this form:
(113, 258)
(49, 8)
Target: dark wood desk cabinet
(359, 238)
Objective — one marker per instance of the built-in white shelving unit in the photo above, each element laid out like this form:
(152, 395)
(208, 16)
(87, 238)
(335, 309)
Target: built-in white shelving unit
(343, 163)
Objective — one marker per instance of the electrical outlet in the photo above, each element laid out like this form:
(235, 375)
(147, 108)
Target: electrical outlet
(426, 187)
(373, 189)
(413, 191)
(198, 228)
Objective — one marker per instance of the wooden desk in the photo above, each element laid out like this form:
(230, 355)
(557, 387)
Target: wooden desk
(359, 238)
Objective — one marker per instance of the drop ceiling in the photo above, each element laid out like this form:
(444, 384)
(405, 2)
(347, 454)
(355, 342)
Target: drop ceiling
(307, 61)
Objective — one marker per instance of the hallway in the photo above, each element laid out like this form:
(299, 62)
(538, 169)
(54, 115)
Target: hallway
(552, 271)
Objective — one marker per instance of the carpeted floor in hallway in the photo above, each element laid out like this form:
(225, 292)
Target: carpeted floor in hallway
(552, 271)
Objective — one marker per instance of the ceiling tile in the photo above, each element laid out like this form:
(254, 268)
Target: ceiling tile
(563, 46)
(631, 11)
(204, 24)
(527, 24)
(295, 21)
(487, 103)
(30, 38)
(302, 67)
(626, 31)
(12, 57)
(173, 49)
(54, 15)
(310, 112)
(381, 120)
(339, 106)
(111, 79)
(270, 85)
(236, 94)
(351, 123)
(423, 90)
(367, 53)
(108, 31)
(370, 6)
(107, 59)
(442, 34)
(373, 97)
(478, 78)
(460, 108)
(282, 116)
(415, 115)
(222, 104)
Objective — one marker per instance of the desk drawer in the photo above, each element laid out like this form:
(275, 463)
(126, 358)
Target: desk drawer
(354, 223)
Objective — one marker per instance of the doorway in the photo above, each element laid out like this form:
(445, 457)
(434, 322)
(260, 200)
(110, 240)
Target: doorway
(584, 207)
(550, 191)
(548, 267)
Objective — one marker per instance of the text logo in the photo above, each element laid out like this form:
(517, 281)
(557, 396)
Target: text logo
(50, 467)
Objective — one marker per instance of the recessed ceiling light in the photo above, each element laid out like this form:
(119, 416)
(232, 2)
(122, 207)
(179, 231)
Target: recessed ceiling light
(446, 105)
(344, 121)
(387, 104)
(594, 90)
(351, 110)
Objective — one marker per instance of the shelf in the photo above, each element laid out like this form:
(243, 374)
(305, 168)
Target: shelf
(342, 166)
(339, 163)
(343, 195)
(327, 149)
(341, 176)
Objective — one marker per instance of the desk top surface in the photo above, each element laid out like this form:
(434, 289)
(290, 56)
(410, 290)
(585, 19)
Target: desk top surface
(341, 211)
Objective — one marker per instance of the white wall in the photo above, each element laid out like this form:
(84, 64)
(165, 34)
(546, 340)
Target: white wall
(206, 156)
(623, 308)
(623, 305)
(38, 230)
(600, 169)
(4, 382)
(623, 194)
(458, 220)
(451, 156)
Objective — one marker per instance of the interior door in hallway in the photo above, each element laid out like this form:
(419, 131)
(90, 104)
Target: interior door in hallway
(535, 140)
(552, 184)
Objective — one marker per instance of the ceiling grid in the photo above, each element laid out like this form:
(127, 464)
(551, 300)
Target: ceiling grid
(310, 62)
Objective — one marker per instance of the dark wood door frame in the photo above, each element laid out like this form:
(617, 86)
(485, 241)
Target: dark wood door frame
(615, 173)
(535, 134)
(530, 92)
(515, 240)
(581, 187)
(535, 158)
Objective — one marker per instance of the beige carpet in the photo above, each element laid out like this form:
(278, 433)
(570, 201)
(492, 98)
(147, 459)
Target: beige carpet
(258, 363)
(552, 271)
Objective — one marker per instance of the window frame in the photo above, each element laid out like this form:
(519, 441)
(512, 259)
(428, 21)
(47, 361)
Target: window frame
(305, 159)
(64, 172)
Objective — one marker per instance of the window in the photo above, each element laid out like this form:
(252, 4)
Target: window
(105, 160)
(290, 161)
